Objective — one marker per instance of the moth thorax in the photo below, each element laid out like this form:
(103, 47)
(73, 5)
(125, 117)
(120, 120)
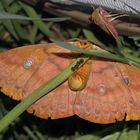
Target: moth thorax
(78, 80)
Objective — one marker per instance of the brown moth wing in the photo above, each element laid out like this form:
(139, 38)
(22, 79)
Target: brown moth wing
(58, 103)
(18, 82)
(108, 97)
(112, 91)
(131, 76)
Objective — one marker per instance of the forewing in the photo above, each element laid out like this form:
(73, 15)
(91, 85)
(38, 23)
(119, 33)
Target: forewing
(18, 81)
(109, 95)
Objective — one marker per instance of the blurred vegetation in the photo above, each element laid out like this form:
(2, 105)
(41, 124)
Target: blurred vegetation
(14, 33)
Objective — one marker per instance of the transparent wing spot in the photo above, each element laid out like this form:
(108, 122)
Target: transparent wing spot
(28, 62)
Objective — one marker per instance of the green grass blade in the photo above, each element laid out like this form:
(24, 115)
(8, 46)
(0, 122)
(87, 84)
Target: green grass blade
(6, 15)
(92, 52)
(21, 32)
(30, 133)
(74, 33)
(14, 8)
(41, 25)
(88, 137)
(111, 137)
(32, 36)
(7, 23)
(91, 37)
(129, 59)
(9, 26)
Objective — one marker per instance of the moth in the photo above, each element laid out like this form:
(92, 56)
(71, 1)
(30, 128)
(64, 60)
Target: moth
(100, 91)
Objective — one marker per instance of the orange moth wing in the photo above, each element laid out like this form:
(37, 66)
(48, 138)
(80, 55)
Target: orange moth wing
(111, 93)
(24, 69)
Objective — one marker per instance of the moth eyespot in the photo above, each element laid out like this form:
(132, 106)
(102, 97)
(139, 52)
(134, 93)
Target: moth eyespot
(27, 63)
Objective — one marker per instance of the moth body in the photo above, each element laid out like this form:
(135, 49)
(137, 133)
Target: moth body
(78, 80)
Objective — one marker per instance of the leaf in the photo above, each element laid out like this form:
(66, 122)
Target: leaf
(88, 137)
(31, 13)
(5, 15)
